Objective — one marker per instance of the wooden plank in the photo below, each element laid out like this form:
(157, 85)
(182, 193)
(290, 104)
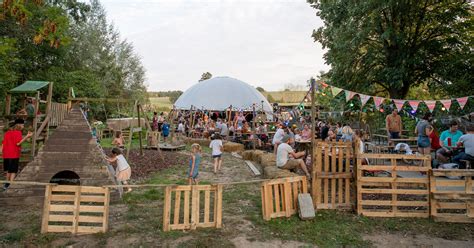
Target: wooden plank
(383, 180)
(340, 181)
(105, 217)
(392, 168)
(457, 172)
(77, 208)
(194, 207)
(186, 207)
(326, 180)
(218, 206)
(397, 203)
(451, 205)
(252, 167)
(207, 201)
(61, 208)
(92, 209)
(277, 197)
(177, 205)
(166, 209)
(289, 200)
(89, 229)
(333, 180)
(58, 228)
(93, 198)
(395, 191)
(62, 198)
(359, 186)
(46, 209)
(92, 189)
(452, 183)
(91, 219)
(61, 218)
(262, 193)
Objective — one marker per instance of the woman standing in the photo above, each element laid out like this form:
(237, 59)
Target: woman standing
(423, 130)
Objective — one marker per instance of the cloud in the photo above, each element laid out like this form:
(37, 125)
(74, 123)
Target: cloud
(265, 43)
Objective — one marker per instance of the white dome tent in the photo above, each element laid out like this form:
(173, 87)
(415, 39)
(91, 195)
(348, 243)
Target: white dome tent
(219, 93)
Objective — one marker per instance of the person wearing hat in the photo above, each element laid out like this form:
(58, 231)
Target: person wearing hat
(11, 150)
(283, 160)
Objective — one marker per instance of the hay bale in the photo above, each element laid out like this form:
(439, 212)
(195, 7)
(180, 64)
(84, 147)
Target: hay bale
(247, 155)
(233, 147)
(202, 142)
(272, 172)
(256, 155)
(268, 159)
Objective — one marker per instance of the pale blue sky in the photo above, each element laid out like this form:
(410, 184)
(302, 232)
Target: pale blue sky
(265, 43)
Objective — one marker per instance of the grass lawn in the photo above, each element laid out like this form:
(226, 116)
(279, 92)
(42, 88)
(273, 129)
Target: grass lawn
(161, 103)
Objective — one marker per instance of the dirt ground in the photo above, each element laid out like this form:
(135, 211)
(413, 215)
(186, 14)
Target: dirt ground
(137, 221)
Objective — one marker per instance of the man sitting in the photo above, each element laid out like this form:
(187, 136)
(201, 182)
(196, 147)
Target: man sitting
(448, 139)
(283, 160)
(467, 141)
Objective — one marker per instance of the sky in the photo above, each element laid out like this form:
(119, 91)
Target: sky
(265, 43)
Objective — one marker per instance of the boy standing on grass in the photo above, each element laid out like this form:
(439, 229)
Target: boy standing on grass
(11, 150)
(216, 145)
(194, 162)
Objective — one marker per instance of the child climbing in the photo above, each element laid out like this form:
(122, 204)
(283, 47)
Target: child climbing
(194, 162)
(11, 150)
(118, 140)
(216, 145)
(123, 170)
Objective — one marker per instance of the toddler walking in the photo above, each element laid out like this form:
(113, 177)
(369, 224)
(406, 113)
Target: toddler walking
(216, 145)
(194, 162)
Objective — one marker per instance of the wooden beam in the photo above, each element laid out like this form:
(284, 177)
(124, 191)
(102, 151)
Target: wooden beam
(313, 122)
(86, 99)
(35, 124)
(139, 133)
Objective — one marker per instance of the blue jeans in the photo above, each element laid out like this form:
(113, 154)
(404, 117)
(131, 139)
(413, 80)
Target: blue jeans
(394, 135)
(462, 156)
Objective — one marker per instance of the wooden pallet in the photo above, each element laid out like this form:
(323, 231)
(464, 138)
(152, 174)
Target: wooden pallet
(452, 200)
(280, 196)
(392, 196)
(183, 210)
(75, 209)
(331, 188)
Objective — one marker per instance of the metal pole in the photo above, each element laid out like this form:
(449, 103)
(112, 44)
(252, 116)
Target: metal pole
(253, 126)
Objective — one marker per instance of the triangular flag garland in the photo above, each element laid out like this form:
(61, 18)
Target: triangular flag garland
(364, 98)
(399, 104)
(349, 95)
(335, 90)
(414, 104)
(378, 101)
(431, 105)
(462, 101)
(446, 104)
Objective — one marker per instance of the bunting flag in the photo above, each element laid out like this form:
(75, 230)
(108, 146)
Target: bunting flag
(378, 101)
(399, 104)
(349, 95)
(462, 101)
(431, 105)
(364, 98)
(335, 90)
(414, 104)
(446, 104)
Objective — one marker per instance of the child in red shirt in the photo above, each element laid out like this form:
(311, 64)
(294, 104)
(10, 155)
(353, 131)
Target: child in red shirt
(11, 150)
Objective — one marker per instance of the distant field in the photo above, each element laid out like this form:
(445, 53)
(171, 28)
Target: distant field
(161, 103)
(285, 96)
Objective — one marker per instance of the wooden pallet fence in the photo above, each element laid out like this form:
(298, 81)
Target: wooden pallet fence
(331, 186)
(452, 199)
(280, 196)
(382, 193)
(75, 209)
(192, 206)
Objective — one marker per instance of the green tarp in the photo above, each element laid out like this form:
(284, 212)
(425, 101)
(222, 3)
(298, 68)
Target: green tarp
(29, 87)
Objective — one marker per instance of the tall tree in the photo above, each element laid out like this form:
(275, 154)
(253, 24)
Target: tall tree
(398, 44)
(205, 76)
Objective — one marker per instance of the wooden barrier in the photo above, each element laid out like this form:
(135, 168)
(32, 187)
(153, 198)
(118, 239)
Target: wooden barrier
(75, 209)
(452, 200)
(280, 196)
(391, 195)
(331, 188)
(58, 113)
(190, 211)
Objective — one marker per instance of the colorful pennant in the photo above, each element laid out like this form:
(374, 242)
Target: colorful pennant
(349, 95)
(462, 101)
(414, 104)
(399, 104)
(378, 101)
(431, 105)
(335, 90)
(446, 104)
(364, 98)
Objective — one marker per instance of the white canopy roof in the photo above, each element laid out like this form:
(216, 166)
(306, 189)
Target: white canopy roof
(220, 93)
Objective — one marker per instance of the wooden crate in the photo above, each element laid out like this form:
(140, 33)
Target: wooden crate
(331, 186)
(75, 209)
(280, 196)
(452, 200)
(194, 206)
(391, 195)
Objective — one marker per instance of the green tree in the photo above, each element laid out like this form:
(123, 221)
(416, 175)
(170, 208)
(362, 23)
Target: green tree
(396, 45)
(260, 89)
(205, 76)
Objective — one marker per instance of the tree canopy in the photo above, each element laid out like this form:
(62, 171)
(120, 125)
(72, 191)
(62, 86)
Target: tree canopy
(393, 46)
(71, 44)
(205, 76)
